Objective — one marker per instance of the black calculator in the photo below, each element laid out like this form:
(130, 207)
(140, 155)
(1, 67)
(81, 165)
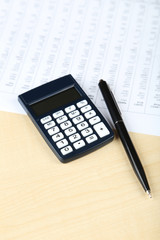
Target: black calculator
(66, 118)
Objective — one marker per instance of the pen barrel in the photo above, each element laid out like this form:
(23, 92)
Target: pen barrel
(132, 154)
(123, 134)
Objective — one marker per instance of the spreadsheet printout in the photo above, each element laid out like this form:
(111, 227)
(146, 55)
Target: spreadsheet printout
(116, 40)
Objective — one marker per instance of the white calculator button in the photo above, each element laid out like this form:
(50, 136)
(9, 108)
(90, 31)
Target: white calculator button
(78, 119)
(65, 125)
(46, 119)
(70, 131)
(70, 108)
(90, 114)
(74, 114)
(86, 108)
(94, 120)
(58, 114)
(62, 119)
(62, 143)
(82, 125)
(66, 150)
(87, 132)
(53, 130)
(82, 103)
(101, 129)
(91, 138)
(57, 137)
(75, 137)
(49, 124)
(79, 144)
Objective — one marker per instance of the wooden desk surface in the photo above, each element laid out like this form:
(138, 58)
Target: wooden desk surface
(96, 197)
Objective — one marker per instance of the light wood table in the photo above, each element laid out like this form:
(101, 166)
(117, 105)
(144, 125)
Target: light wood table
(96, 197)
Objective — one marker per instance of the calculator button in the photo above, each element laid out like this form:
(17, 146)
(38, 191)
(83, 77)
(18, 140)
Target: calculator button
(46, 119)
(62, 143)
(87, 132)
(61, 119)
(57, 137)
(75, 137)
(74, 114)
(70, 108)
(91, 138)
(82, 103)
(82, 125)
(66, 150)
(85, 108)
(78, 119)
(49, 124)
(101, 129)
(90, 114)
(58, 114)
(53, 130)
(70, 131)
(66, 124)
(94, 120)
(79, 144)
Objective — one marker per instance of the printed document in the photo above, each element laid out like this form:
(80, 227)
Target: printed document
(114, 40)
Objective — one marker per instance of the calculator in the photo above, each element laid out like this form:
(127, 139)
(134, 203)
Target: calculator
(66, 118)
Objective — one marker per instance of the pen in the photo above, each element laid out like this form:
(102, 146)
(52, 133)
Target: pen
(124, 136)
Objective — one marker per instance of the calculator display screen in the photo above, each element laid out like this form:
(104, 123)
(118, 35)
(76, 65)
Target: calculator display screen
(55, 101)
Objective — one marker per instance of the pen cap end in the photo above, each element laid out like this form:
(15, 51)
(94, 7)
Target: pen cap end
(101, 81)
(103, 84)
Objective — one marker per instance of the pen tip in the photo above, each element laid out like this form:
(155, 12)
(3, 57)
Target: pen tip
(149, 193)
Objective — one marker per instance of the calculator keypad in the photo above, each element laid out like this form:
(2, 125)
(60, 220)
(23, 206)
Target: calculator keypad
(74, 127)
(70, 131)
(66, 150)
(49, 124)
(62, 143)
(58, 114)
(101, 129)
(70, 109)
(46, 119)
(53, 130)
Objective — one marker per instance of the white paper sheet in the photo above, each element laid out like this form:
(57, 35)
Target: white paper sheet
(117, 40)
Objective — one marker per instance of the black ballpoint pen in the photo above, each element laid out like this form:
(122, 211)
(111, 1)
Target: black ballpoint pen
(124, 136)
